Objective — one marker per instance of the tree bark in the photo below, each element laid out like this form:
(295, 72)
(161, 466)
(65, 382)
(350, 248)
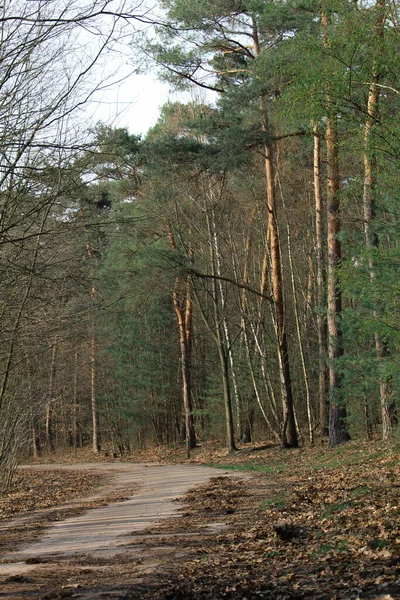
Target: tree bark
(50, 400)
(371, 239)
(223, 351)
(75, 402)
(289, 433)
(183, 307)
(337, 425)
(226, 329)
(338, 433)
(95, 436)
(321, 319)
(300, 339)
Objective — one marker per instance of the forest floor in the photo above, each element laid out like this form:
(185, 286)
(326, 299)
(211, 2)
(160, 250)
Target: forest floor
(308, 523)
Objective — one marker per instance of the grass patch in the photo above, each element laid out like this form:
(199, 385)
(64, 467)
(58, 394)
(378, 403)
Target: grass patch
(346, 456)
(252, 467)
(277, 501)
(324, 549)
(337, 507)
(360, 491)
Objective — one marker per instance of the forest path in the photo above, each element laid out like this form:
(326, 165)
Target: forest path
(102, 531)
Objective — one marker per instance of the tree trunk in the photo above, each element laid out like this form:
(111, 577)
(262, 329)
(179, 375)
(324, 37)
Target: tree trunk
(92, 353)
(337, 425)
(321, 320)
(254, 382)
(224, 321)
(35, 440)
(185, 369)
(95, 438)
(253, 350)
(300, 339)
(223, 351)
(230, 436)
(50, 400)
(75, 403)
(183, 307)
(371, 239)
(289, 433)
(337, 419)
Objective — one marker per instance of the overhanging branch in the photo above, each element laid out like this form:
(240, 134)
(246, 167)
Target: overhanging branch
(237, 284)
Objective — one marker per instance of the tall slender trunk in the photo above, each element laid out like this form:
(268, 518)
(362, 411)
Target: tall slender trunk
(223, 350)
(254, 349)
(92, 252)
(185, 350)
(255, 385)
(50, 400)
(224, 321)
(183, 307)
(371, 239)
(33, 411)
(95, 433)
(75, 402)
(300, 339)
(263, 284)
(320, 300)
(266, 377)
(337, 419)
(337, 423)
(289, 433)
(190, 433)
(310, 278)
(258, 331)
(35, 442)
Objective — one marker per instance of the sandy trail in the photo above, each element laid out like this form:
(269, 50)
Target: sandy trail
(105, 529)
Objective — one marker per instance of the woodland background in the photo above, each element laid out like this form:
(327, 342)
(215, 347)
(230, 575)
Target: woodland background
(233, 275)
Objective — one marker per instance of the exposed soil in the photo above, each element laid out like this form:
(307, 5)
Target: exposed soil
(307, 524)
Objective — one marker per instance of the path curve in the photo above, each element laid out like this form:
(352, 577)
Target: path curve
(104, 528)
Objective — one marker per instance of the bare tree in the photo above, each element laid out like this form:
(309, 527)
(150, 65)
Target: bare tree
(45, 80)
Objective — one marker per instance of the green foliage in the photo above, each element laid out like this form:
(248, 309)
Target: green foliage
(253, 467)
(140, 339)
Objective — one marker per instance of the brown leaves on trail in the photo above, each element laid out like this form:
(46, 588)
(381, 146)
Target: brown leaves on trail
(220, 496)
(38, 489)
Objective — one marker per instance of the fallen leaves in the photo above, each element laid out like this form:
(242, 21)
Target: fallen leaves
(319, 533)
(37, 489)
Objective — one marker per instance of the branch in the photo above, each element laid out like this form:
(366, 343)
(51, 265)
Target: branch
(242, 286)
(190, 78)
(276, 138)
(385, 87)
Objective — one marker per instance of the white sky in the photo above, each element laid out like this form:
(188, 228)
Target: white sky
(126, 98)
(134, 104)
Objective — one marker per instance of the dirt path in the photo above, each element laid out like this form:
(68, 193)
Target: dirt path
(293, 532)
(103, 531)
